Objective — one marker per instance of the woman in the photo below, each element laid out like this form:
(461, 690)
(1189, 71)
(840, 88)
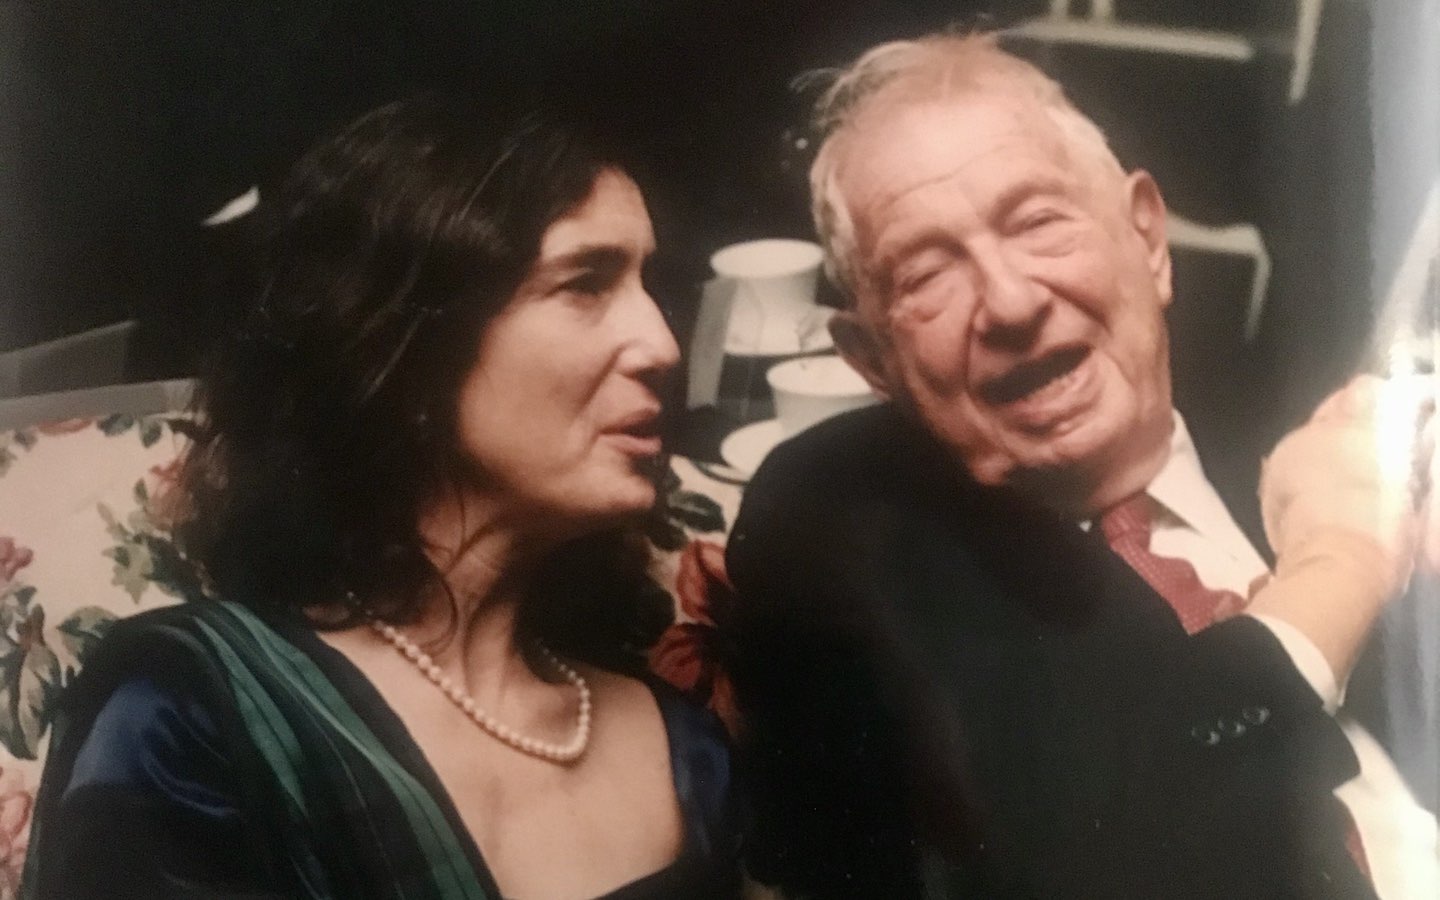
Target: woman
(414, 487)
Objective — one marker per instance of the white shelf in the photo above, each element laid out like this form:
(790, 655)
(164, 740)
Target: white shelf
(1101, 29)
(1148, 38)
(1241, 239)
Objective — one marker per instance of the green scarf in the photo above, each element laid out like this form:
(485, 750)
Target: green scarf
(339, 815)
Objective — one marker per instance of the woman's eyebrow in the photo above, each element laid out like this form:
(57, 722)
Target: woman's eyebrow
(590, 256)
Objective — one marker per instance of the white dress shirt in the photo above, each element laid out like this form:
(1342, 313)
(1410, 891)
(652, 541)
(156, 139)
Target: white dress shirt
(1399, 836)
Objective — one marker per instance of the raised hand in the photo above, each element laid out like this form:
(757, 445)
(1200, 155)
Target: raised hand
(1358, 469)
(1345, 497)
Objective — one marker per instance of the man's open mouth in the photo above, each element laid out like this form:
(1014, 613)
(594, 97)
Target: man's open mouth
(1029, 378)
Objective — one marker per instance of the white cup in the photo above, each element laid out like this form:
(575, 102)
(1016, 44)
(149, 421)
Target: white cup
(774, 311)
(814, 388)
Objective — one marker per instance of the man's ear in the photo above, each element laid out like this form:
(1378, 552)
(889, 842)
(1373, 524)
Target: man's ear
(1147, 217)
(860, 346)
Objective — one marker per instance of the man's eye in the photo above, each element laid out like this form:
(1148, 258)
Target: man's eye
(1039, 220)
(920, 306)
(915, 281)
(921, 272)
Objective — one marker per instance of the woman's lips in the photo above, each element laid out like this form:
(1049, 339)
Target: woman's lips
(638, 436)
(636, 445)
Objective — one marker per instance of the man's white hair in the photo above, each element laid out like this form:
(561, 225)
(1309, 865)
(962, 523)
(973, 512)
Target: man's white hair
(927, 68)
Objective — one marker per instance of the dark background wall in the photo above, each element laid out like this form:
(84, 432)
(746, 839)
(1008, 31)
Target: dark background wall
(127, 121)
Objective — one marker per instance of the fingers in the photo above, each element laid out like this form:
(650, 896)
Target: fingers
(1361, 465)
(1405, 409)
(1397, 414)
(1426, 465)
(1355, 399)
(1365, 395)
(1429, 561)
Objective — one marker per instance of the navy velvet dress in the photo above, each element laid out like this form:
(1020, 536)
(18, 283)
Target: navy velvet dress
(157, 799)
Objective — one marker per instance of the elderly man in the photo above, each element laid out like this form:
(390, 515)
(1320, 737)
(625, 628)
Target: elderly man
(1000, 637)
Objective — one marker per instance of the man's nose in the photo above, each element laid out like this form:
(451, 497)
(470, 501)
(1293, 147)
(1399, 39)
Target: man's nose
(1012, 306)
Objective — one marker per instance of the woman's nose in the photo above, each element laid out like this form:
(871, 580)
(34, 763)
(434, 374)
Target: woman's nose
(653, 344)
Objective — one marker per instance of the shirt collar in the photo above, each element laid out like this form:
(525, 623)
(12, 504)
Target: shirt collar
(1186, 495)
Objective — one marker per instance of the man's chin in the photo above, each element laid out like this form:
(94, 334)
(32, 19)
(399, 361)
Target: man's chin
(1088, 471)
(1074, 444)
(1061, 472)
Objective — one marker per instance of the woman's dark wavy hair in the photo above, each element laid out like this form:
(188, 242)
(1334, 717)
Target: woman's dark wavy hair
(327, 422)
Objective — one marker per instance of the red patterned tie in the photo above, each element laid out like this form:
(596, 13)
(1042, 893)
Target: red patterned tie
(1126, 527)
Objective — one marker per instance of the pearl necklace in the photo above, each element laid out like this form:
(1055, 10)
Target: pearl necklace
(559, 753)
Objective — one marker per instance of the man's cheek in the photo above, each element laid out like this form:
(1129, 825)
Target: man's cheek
(988, 459)
(934, 362)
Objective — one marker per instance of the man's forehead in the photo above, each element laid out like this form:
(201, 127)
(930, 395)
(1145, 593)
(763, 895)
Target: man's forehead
(915, 139)
(981, 143)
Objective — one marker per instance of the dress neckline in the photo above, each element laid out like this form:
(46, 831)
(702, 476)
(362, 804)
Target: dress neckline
(390, 730)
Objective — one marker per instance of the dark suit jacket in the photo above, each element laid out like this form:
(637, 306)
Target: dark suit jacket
(948, 692)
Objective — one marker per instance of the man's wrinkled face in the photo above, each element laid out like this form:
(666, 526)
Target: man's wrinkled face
(1011, 293)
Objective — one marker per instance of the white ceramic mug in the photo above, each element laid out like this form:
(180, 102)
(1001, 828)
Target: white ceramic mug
(814, 388)
(774, 311)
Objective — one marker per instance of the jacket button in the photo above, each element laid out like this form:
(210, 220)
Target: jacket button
(1255, 715)
(1205, 735)
(1230, 728)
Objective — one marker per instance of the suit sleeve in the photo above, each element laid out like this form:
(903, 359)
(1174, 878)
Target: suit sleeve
(923, 720)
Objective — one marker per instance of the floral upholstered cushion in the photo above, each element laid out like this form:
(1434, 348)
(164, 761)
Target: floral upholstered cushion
(84, 541)
(692, 567)
(79, 547)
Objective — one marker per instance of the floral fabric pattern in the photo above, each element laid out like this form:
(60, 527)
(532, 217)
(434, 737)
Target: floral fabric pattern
(688, 653)
(80, 546)
(692, 568)
(17, 797)
(16, 803)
